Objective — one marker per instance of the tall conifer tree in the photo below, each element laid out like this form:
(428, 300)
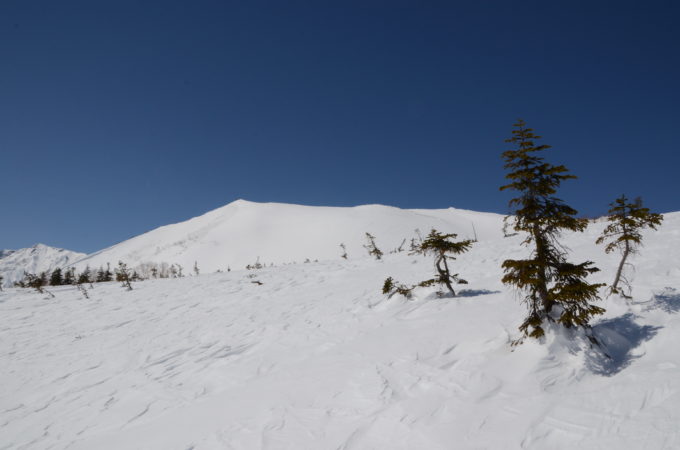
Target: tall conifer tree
(555, 290)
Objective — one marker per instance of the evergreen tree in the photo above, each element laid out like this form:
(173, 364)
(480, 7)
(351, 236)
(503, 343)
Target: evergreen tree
(390, 287)
(555, 289)
(108, 275)
(196, 271)
(101, 275)
(1, 280)
(56, 279)
(84, 276)
(34, 281)
(69, 276)
(123, 275)
(43, 278)
(442, 247)
(626, 221)
(37, 282)
(373, 249)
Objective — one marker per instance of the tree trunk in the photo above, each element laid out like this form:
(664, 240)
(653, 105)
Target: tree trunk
(626, 252)
(542, 260)
(445, 274)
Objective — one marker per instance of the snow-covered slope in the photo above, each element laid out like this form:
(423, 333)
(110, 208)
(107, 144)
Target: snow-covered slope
(315, 357)
(240, 232)
(34, 259)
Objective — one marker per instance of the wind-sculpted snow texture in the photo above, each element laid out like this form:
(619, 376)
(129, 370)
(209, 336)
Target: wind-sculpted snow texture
(316, 358)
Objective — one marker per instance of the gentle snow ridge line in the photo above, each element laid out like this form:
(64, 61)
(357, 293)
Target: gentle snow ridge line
(237, 234)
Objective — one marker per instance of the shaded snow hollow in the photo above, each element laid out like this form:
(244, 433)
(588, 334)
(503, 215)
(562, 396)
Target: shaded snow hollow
(316, 358)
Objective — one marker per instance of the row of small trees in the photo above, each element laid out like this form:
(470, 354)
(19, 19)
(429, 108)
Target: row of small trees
(40, 281)
(64, 277)
(555, 289)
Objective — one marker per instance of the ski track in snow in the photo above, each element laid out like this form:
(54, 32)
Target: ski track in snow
(316, 358)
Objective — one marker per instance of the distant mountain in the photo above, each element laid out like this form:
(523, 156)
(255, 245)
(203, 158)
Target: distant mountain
(237, 234)
(39, 258)
(4, 253)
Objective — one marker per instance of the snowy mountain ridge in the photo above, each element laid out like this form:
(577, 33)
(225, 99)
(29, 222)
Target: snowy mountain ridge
(35, 259)
(239, 233)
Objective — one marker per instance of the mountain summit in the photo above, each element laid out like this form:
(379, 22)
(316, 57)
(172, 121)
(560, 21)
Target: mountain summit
(239, 233)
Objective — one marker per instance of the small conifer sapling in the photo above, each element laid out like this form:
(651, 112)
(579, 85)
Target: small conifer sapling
(443, 247)
(391, 287)
(123, 275)
(626, 221)
(373, 249)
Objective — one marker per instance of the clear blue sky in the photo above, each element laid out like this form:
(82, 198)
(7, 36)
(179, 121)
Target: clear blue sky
(120, 116)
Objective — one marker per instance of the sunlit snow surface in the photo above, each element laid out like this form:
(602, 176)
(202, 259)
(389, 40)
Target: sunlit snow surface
(316, 358)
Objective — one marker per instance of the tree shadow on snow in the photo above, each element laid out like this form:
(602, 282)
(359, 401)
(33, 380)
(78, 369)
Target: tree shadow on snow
(668, 300)
(618, 338)
(475, 292)
(462, 293)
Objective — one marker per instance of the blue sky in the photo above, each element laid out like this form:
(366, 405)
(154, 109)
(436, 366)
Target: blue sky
(120, 116)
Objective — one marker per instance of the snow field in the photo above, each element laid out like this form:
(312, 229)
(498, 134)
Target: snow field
(316, 358)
